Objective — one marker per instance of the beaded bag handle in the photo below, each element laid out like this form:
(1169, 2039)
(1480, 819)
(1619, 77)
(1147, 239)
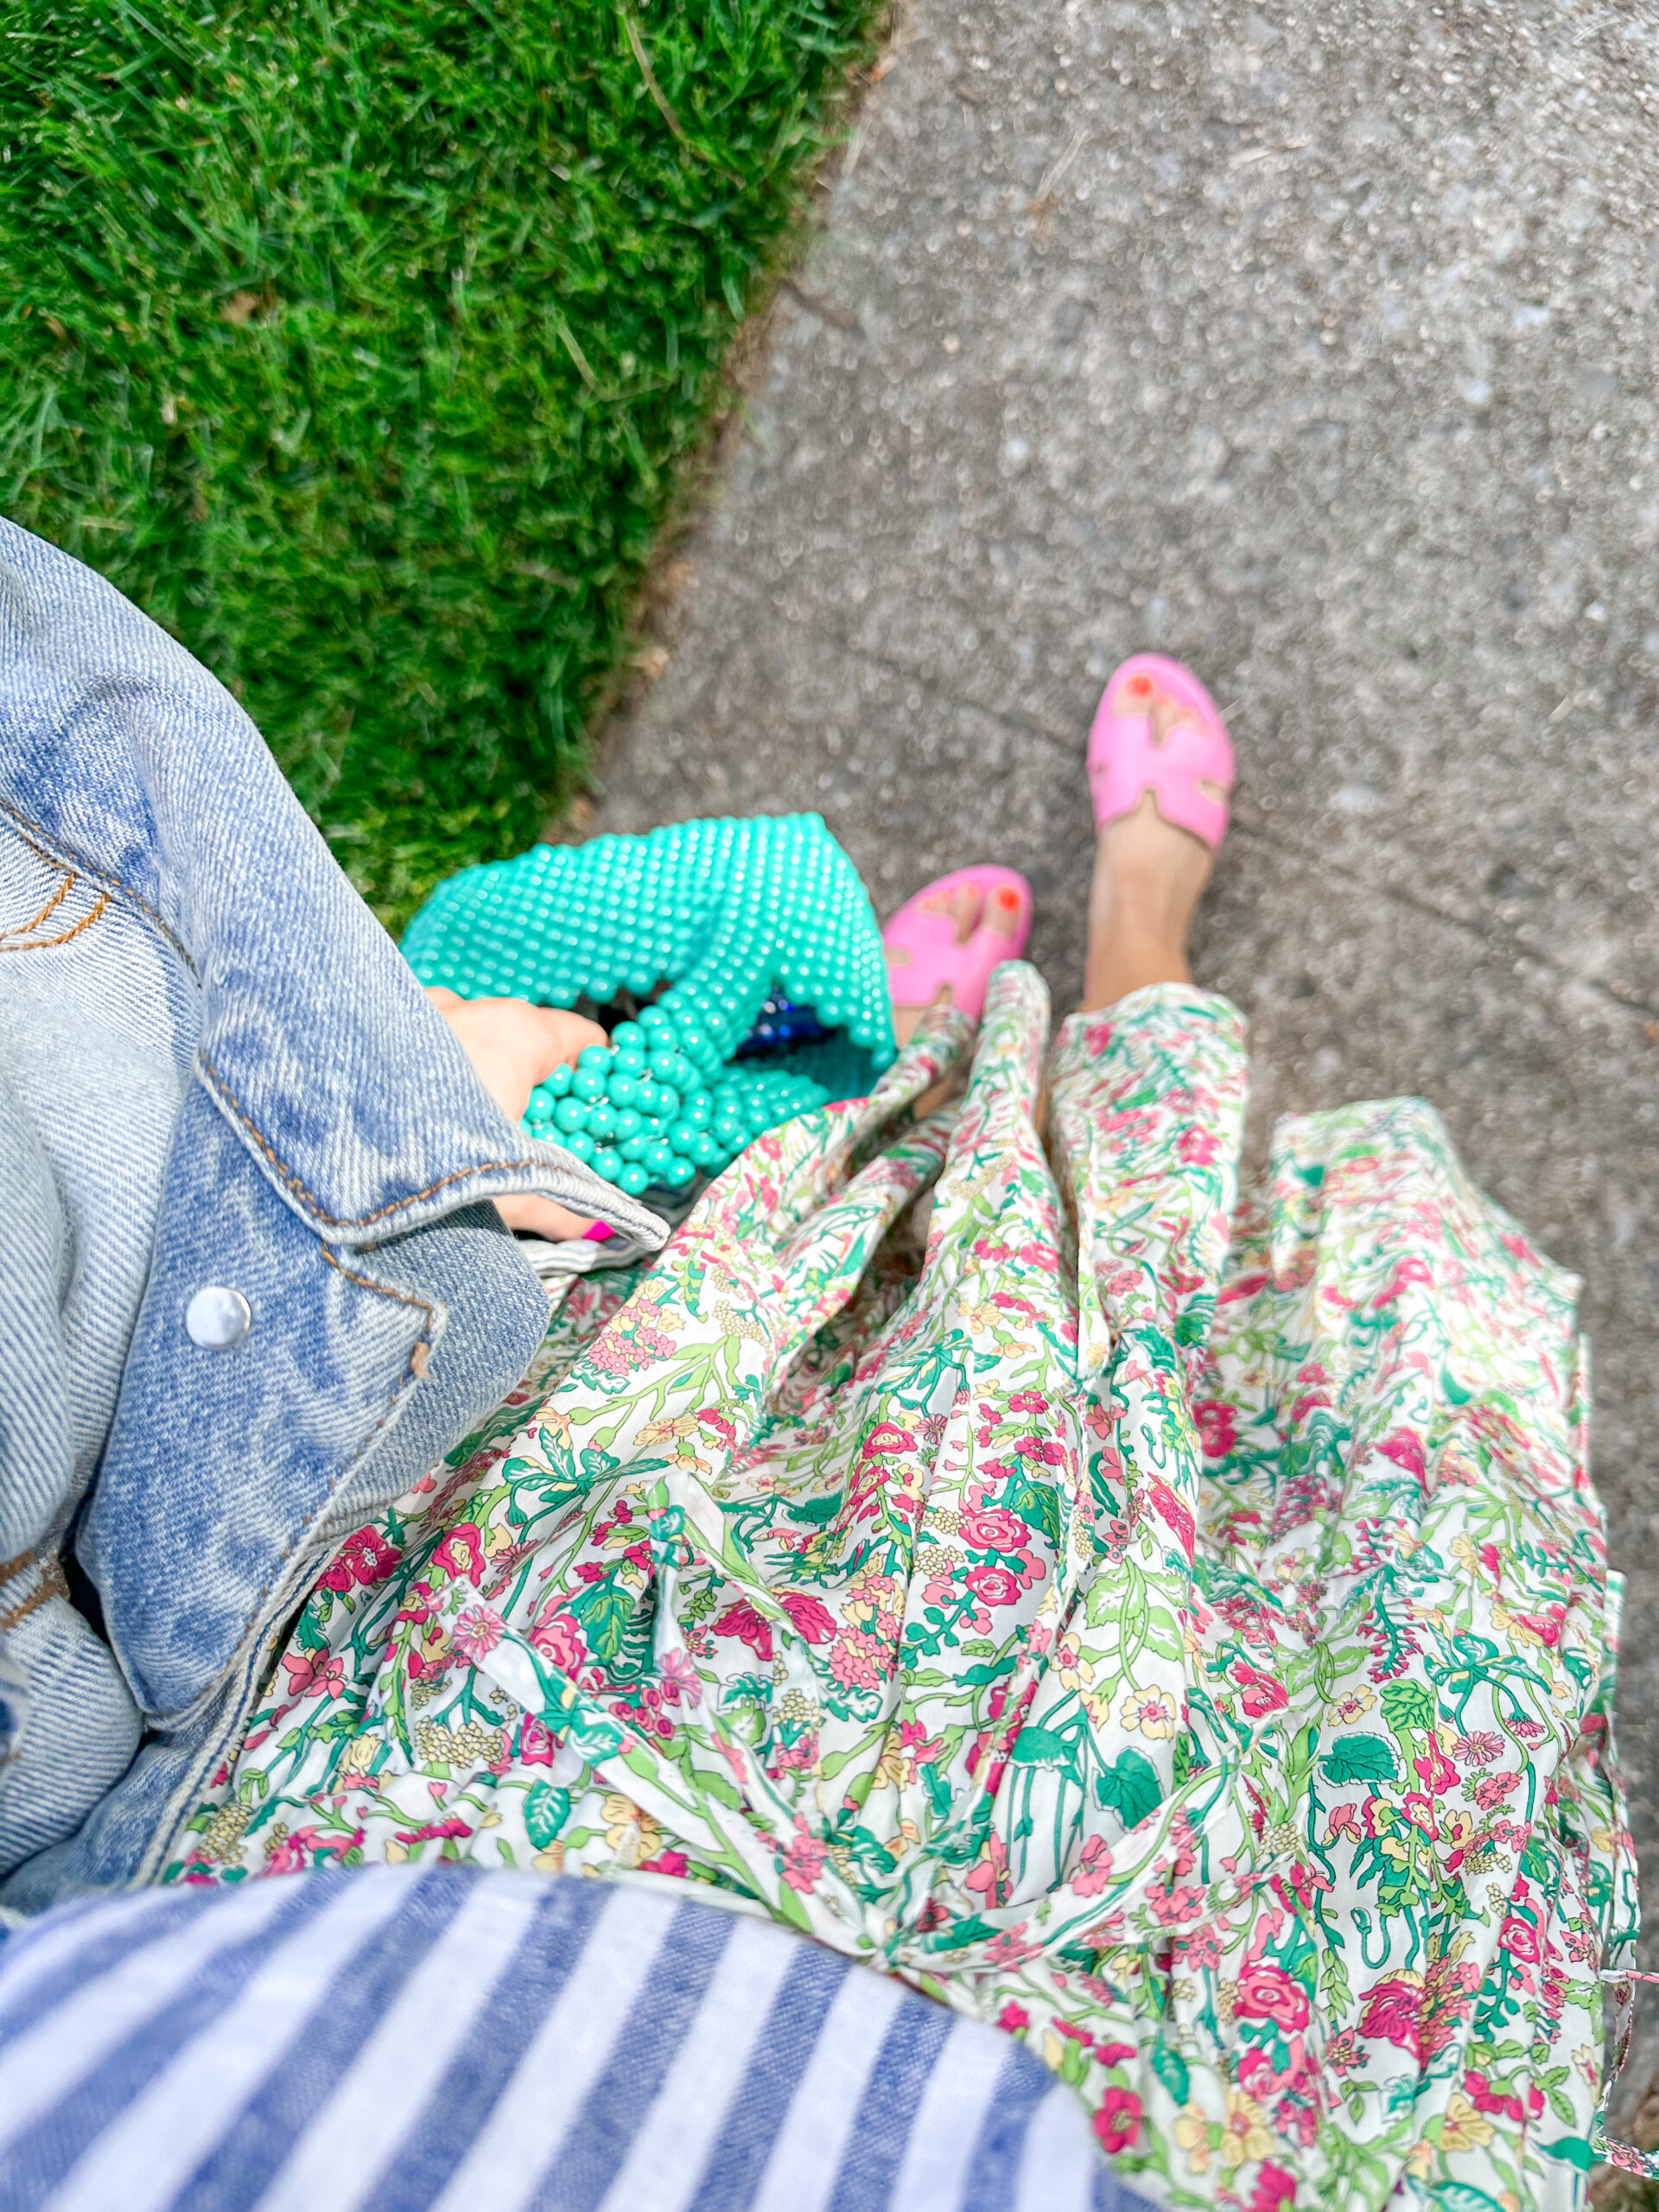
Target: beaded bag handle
(725, 911)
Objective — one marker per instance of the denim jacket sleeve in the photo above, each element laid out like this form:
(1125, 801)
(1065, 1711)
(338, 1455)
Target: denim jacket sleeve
(323, 1170)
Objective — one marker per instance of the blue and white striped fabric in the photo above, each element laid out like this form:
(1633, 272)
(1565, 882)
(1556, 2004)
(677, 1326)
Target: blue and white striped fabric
(406, 2039)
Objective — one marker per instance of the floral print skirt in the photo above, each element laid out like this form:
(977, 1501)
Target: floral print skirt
(1175, 1628)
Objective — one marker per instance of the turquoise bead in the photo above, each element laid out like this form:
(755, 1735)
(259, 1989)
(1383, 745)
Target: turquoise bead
(559, 1081)
(571, 1114)
(605, 1162)
(581, 1143)
(588, 1084)
(632, 1179)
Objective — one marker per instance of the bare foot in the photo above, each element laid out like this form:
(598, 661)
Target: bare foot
(1148, 877)
(971, 911)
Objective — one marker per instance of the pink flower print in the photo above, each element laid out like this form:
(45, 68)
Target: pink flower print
(665, 1862)
(1201, 1950)
(1262, 1694)
(557, 1636)
(804, 1857)
(1041, 1257)
(296, 1853)
(885, 1438)
(461, 1553)
(994, 1585)
(857, 1661)
(1094, 1868)
(1042, 1449)
(1420, 1811)
(749, 1627)
(1393, 2011)
(1405, 1447)
(916, 1745)
(1216, 1421)
(536, 1742)
(1028, 1401)
(1274, 2186)
(435, 1832)
(682, 1684)
(1479, 1749)
(810, 1618)
(364, 1559)
(1197, 1147)
(1492, 1790)
(313, 1674)
(1344, 1821)
(1174, 1515)
(1520, 1939)
(1266, 1992)
(1437, 1770)
(1529, 1732)
(1014, 2019)
(1009, 1948)
(995, 1529)
(1170, 1907)
(477, 1632)
(1117, 2122)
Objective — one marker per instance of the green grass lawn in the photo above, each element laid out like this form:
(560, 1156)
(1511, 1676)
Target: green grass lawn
(358, 340)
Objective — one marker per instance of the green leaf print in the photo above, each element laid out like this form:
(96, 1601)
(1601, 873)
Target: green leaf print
(547, 1808)
(603, 1609)
(1409, 1705)
(816, 1511)
(1130, 1787)
(1569, 2147)
(1172, 2070)
(1041, 1747)
(1361, 1758)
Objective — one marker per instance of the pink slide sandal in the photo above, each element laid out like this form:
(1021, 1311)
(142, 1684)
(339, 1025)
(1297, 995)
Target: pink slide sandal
(1126, 757)
(924, 937)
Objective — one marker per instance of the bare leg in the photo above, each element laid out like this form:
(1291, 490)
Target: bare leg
(1148, 876)
(967, 908)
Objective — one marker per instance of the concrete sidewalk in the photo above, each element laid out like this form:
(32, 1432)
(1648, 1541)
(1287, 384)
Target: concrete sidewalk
(1319, 352)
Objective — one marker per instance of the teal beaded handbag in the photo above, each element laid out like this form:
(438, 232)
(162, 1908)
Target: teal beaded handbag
(728, 914)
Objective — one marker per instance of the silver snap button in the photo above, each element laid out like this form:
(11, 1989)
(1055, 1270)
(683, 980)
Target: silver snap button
(218, 1317)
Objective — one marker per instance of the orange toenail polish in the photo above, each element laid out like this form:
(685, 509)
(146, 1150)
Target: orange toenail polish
(1006, 897)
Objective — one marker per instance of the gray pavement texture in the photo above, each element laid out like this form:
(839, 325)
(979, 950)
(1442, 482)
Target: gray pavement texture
(1316, 348)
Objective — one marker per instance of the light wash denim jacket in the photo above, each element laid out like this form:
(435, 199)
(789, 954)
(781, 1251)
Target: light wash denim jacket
(216, 1074)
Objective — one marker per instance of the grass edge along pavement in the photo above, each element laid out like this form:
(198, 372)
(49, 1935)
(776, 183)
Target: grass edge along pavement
(371, 348)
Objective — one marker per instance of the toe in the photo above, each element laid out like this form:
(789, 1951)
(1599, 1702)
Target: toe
(1002, 912)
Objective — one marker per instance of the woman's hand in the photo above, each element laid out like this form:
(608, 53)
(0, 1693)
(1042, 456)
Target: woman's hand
(513, 1046)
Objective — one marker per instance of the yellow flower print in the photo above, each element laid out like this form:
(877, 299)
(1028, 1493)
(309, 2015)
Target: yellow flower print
(1462, 2128)
(631, 1833)
(890, 1767)
(1192, 2134)
(660, 1432)
(1353, 1705)
(1153, 1712)
(1244, 2135)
